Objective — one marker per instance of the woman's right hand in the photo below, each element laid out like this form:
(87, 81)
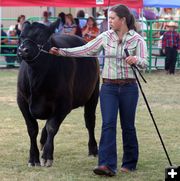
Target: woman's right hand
(163, 50)
(54, 51)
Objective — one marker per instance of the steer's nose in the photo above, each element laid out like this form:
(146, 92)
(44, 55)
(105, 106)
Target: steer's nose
(23, 51)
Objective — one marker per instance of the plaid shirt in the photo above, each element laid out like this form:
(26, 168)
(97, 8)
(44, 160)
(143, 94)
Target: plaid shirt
(115, 66)
(171, 39)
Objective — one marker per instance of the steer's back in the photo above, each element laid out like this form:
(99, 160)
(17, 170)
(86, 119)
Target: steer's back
(85, 69)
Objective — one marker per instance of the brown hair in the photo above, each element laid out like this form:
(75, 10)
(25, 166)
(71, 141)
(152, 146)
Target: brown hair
(123, 11)
(70, 16)
(93, 20)
(80, 14)
(19, 17)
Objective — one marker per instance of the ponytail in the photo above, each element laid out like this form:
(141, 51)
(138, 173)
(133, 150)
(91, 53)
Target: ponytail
(131, 23)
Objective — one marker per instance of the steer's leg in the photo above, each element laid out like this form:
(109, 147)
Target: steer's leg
(52, 127)
(32, 127)
(43, 138)
(90, 117)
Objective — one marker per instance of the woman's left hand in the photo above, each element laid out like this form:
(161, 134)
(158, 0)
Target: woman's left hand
(131, 60)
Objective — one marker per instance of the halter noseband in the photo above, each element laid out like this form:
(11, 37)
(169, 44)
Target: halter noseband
(38, 46)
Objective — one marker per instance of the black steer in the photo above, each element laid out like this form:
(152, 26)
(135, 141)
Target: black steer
(49, 87)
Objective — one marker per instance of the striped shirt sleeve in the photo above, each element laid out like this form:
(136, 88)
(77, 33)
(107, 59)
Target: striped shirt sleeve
(141, 54)
(91, 48)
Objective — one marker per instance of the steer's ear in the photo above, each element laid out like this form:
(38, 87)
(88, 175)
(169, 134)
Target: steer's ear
(25, 26)
(26, 23)
(54, 25)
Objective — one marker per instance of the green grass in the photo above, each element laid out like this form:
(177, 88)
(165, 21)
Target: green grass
(71, 161)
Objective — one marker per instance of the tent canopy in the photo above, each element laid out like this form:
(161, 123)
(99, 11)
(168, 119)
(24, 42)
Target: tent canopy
(162, 3)
(72, 3)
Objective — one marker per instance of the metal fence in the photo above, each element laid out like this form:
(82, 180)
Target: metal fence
(156, 60)
(152, 37)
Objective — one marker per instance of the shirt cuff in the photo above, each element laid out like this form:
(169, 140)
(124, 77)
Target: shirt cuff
(62, 52)
(136, 59)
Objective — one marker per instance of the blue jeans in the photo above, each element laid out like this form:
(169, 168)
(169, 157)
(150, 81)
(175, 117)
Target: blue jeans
(124, 98)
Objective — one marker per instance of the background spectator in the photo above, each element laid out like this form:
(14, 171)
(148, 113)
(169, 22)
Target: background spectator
(104, 24)
(4, 39)
(99, 18)
(170, 45)
(142, 26)
(62, 15)
(81, 16)
(69, 26)
(164, 24)
(18, 26)
(78, 28)
(60, 25)
(90, 31)
(45, 19)
(12, 40)
(103, 28)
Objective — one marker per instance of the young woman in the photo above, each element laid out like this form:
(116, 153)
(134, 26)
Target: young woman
(18, 27)
(90, 31)
(119, 90)
(69, 26)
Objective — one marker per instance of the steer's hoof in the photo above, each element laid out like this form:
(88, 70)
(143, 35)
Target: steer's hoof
(30, 164)
(92, 155)
(49, 163)
(33, 164)
(37, 165)
(43, 162)
(46, 163)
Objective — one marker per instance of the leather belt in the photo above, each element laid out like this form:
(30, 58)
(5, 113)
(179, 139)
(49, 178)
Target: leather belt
(119, 81)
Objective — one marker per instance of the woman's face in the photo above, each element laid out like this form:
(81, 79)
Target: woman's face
(12, 33)
(22, 19)
(68, 20)
(115, 22)
(90, 22)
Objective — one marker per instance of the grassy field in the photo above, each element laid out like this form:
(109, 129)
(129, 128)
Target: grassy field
(71, 161)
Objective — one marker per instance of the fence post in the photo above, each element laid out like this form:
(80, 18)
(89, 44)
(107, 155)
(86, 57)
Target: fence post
(150, 45)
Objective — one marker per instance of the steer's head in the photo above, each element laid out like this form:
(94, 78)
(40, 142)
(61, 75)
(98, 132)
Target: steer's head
(33, 38)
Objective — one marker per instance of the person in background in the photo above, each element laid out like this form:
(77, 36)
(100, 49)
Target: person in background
(12, 35)
(69, 26)
(104, 24)
(164, 24)
(12, 40)
(62, 15)
(81, 17)
(60, 26)
(103, 28)
(45, 18)
(90, 31)
(142, 27)
(99, 18)
(18, 27)
(170, 47)
(4, 40)
(78, 28)
(119, 90)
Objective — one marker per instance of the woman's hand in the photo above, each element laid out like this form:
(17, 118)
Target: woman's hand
(54, 51)
(163, 50)
(131, 60)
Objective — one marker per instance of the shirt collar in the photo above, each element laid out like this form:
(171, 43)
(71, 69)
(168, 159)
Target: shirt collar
(128, 35)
